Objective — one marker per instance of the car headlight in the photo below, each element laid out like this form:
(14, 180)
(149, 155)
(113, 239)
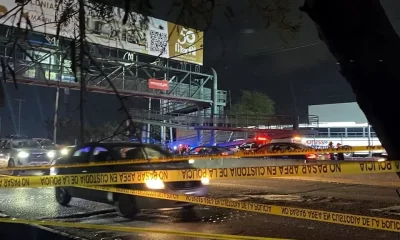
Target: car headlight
(51, 154)
(23, 154)
(64, 151)
(191, 161)
(155, 184)
(205, 181)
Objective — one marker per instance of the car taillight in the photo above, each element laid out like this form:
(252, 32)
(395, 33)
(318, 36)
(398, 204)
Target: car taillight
(225, 153)
(311, 156)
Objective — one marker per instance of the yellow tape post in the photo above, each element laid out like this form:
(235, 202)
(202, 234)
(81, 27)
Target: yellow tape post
(300, 213)
(242, 154)
(197, 174)
(132, 229)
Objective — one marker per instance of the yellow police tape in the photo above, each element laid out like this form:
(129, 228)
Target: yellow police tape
(301, 213)
(241, 154)
(132, 229)
(197, 174)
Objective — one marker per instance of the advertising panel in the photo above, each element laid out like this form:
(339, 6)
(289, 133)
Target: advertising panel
(139, 34)
(158, 84)
(185, 44)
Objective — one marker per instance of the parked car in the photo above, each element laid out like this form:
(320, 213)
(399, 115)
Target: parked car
(46, 143)
(254, 144)
(209, 150)
(23, 152)
(282, 146)
(126, 205)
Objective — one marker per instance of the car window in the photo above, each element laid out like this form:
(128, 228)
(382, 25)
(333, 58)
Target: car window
(138, 152)
(266, 148)
(301, 146)
(130, 152)
(83, 152)
(280, 147)
(195, 150)
(25, 144)
(210, 150)
(247, 145)
(101, 154)
(153, 153)
(46, 143)
(221, 149)
(205, 150)
(98, 150)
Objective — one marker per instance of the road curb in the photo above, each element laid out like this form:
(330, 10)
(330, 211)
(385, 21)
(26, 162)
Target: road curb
(82, 214)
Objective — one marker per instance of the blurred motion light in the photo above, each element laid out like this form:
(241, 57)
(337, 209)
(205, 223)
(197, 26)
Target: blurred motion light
(154, 184)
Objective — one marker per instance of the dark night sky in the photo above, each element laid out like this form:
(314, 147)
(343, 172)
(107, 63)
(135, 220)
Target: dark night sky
(239, 64)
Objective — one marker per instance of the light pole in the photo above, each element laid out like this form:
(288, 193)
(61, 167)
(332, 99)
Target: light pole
(19, 113)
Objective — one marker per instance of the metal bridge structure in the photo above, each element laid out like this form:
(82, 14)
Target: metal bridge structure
(192, 101)
(40, 60)
(199, 129)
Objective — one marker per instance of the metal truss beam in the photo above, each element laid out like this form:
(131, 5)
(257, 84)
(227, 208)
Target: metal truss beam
(129, 75)
(259, 130)
(91, 88)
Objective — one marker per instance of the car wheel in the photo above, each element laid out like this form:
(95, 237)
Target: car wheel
(11, 164)
(189, 207)
(188, 213)
(126, 206)
(62, 196)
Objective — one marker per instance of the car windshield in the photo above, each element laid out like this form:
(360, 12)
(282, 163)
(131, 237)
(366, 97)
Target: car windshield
(47, 143)
(25, 144)
(140, 152)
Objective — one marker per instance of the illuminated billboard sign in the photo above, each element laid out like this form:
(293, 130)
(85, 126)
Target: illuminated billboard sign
(158, 84)
(147, 36)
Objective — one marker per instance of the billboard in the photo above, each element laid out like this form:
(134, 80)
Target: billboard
(139, 34)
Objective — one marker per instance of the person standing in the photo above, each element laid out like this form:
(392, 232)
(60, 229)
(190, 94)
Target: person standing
(331, 154)
(340, 155)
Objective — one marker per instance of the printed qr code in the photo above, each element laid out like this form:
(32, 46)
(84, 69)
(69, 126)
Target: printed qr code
(158, 42)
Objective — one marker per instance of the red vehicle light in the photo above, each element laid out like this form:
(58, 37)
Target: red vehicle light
(261, 138)
(311, 156)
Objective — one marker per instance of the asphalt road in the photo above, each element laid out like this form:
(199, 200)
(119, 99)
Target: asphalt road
(350, 198)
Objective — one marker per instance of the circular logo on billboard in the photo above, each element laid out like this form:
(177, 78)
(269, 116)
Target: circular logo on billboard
(3, 10)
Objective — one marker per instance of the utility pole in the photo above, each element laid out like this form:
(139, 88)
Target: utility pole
(19, 113)
(55, 120)
(82, 81)
(56, 43)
